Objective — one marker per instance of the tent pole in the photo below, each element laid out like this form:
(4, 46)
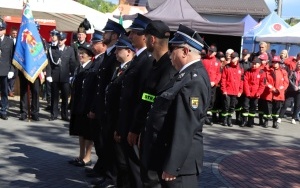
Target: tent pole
(242, 45)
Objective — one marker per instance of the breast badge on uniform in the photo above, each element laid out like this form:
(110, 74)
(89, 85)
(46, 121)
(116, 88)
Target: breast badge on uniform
(181, 75)
(194, 102)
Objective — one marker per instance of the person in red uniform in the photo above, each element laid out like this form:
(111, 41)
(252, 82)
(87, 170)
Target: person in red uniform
(213, 68)
(273, 95)
(232, 87)
(253, 87)
(264, 66)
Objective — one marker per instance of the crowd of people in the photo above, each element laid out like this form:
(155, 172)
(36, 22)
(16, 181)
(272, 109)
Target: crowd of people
(259, 82)
(136, 97)
(141, 97)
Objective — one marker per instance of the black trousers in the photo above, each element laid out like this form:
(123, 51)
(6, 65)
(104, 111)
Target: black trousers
(289, 99)
(213, 98)
(34, 96)
(129, 165)
(11, 84)
(261, 103)
(48, 91)
(55, 88)
(272, 109)
(249, 107)
(229, 103)
(296, 105)
(218, 104)
(99, 145)
(240, 103)
(4, 94)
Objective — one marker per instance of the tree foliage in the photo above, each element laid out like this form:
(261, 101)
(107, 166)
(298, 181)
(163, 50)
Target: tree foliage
(292, 21)
(100, 5)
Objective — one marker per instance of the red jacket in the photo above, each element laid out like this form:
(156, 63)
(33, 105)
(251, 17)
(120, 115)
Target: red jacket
(275, 80)
(281, 84)
(213, 68)
(254, 82)
(290, 63)
(231, 81)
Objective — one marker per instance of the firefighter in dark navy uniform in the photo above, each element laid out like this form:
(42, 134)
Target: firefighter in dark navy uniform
(112, 31)
(99, 49)
(157, 37)
(6, 67)
(59, 71)
(113, 101)
(173, 142)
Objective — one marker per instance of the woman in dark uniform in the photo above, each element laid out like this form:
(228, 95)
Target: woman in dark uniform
(81, 89)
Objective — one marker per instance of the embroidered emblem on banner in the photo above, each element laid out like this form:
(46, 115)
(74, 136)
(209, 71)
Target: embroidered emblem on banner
(194, 102)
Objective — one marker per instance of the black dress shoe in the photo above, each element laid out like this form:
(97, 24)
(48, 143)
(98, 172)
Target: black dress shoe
(106, 184)
(92, 175)
(35, 118)
(23, 117)
(52, 118)
(65, 119)
(81, 163)
(48, 108)
(73, 161)
(98, 181)
(3, 116)
(208, 122)
(89, 170)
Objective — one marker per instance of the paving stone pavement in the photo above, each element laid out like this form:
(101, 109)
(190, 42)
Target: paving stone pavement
(35, 154)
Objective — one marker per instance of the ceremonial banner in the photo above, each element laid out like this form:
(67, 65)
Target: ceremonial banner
(30, 56)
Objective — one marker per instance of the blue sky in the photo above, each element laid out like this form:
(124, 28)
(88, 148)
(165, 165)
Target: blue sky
(290, 8)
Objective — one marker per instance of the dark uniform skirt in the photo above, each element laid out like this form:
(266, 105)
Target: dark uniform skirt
(80, 126)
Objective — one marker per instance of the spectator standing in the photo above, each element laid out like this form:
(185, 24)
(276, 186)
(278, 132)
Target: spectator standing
(295, 82)
(273, 53)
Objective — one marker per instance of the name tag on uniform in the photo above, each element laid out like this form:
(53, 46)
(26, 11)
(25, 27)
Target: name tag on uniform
(148, 97)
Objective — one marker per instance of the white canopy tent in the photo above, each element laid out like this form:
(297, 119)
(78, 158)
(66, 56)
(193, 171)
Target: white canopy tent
(68, 14)
(288, 36)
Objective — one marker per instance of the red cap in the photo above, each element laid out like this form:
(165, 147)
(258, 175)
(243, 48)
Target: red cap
(276, 59)
(263, 56)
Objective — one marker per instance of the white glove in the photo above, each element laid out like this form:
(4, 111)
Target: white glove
(49, 79)
(10, 75)
(70, 80)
